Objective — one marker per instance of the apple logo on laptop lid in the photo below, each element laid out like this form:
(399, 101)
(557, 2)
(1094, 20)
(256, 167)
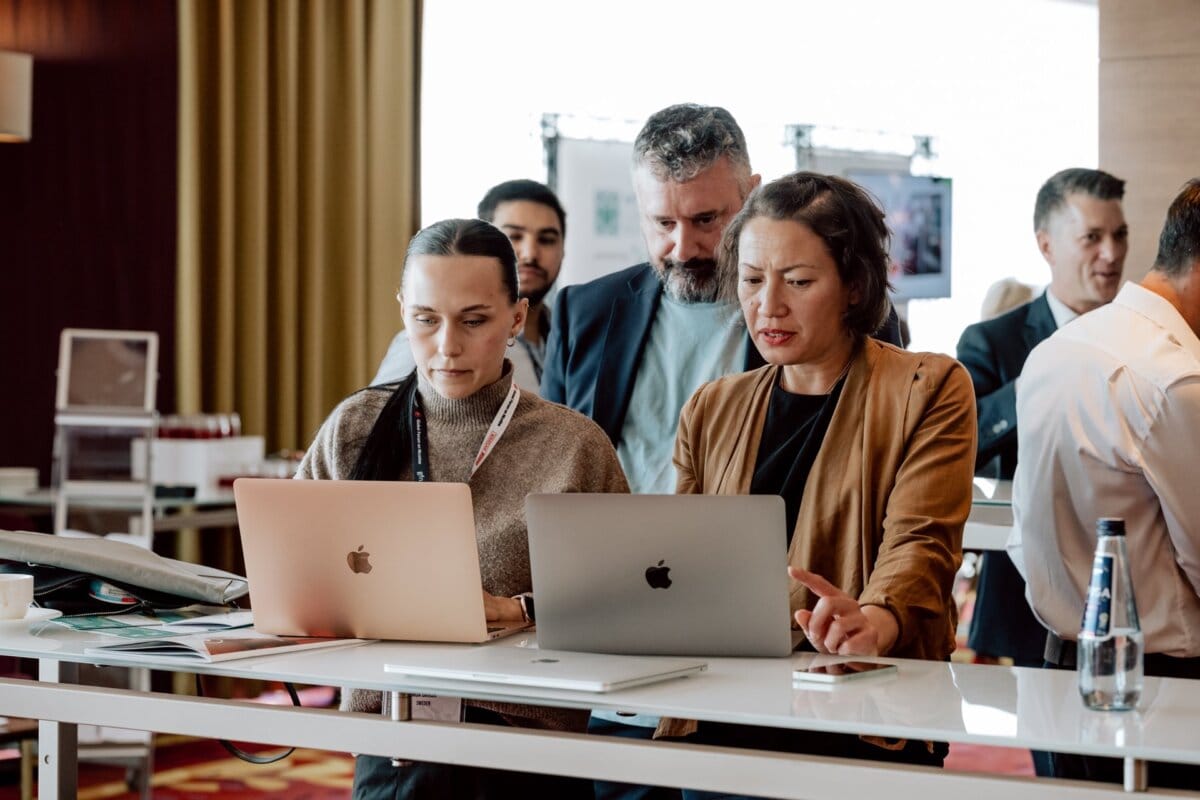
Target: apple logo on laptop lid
(659, 576)
(359, 560)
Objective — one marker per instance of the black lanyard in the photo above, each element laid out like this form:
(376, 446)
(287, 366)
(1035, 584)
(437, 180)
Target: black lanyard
(420, 436)
(420, 439)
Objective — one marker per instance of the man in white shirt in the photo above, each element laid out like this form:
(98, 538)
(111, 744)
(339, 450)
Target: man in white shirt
(1110, 427)
(534, 220)
(1082, 235)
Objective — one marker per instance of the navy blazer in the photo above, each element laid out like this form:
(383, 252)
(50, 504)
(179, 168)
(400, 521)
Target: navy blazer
(994, 352)
(598, 332)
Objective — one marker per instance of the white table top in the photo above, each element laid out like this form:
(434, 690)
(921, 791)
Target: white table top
(993, 705)
(988, 492)
(991, 516)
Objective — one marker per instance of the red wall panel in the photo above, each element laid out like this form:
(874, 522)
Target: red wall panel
(88, 207)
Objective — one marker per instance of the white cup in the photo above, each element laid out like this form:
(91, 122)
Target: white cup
(16, 593)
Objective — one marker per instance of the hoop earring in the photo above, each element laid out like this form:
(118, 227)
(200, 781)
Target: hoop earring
(511, 341)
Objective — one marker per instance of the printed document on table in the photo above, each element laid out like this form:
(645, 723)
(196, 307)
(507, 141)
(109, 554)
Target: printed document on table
(212, 647)
(160, 624)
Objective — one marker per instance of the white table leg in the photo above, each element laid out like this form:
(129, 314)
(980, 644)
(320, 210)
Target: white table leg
(58, 769)
(1137, 775)
(398, 706)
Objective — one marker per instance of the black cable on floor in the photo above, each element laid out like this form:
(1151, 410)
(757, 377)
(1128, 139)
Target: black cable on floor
(238, 752)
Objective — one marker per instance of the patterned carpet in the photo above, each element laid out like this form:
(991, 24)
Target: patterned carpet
(993, 760)
(202, 770)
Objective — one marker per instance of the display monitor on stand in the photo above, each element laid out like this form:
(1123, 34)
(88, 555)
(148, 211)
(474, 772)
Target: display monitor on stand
(917, 209)
(917, 206)
(105, 399)
(107, 372)
(588, 163)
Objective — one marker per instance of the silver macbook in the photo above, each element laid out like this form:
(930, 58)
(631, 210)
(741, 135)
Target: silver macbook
(660, 574)
(363, 559)
(547, 669)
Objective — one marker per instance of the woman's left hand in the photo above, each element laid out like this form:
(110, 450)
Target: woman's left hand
(838, 624)
(499, 609)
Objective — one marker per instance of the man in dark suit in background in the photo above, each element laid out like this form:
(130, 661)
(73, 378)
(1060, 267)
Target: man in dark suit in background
(611, 338)
(1081, 232)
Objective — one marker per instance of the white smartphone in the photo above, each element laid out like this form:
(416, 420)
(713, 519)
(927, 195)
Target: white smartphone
(843, 671)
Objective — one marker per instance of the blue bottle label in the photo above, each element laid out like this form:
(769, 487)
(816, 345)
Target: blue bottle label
(1097, 616)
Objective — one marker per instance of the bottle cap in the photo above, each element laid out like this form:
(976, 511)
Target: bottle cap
(1110, 526)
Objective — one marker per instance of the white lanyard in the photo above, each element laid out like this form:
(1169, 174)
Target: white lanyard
(498, 427)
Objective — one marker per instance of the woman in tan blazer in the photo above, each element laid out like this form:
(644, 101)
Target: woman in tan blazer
(871, 447)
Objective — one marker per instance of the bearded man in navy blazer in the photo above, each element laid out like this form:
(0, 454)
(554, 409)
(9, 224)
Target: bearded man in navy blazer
(630, 348)
(1082, 235)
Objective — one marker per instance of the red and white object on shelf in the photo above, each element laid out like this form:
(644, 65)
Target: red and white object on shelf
(198, 462)
(200, 426)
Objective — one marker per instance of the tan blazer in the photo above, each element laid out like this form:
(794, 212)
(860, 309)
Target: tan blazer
(884, 506)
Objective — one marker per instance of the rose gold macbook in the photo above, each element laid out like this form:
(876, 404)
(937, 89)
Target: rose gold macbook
(363, 559)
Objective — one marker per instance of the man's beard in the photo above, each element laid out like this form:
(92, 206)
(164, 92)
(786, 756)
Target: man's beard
(693, 281)
(538, 294)
(535, 298)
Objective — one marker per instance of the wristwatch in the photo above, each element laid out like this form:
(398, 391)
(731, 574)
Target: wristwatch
(527, 613)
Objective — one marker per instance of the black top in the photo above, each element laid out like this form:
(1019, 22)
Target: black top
(791, 438)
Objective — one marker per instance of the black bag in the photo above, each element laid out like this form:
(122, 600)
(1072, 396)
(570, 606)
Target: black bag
(75, 576)
(75, 593)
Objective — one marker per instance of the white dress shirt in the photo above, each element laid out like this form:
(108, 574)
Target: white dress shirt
(1110, 427)
(1061, 312)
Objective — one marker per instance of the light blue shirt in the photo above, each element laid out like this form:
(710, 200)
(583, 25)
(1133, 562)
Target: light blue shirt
(689, 345)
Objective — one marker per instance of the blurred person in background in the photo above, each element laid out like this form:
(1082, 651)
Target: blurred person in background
(536, 224)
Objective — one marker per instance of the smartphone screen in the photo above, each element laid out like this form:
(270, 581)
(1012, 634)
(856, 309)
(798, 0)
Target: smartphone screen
(842, 671)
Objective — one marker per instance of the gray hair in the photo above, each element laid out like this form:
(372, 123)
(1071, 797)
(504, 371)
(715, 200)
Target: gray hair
(1179, 242)
(681, 141)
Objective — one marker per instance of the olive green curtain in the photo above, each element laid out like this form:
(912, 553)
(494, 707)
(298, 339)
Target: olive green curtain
(298, 192)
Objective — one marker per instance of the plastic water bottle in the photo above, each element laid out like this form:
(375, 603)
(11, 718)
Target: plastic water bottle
(1110, 641)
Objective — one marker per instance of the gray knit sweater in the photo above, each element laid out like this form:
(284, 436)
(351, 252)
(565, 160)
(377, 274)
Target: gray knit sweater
(547, 448)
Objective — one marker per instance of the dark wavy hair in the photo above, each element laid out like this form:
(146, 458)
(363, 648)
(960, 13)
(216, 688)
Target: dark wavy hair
(1179, 242)
(386, 453)
(845, 217)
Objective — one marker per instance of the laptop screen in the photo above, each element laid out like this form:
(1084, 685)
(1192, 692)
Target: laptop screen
(110, 370)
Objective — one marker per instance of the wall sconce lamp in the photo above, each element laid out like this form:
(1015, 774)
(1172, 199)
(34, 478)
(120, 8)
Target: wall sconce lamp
(16, 96)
